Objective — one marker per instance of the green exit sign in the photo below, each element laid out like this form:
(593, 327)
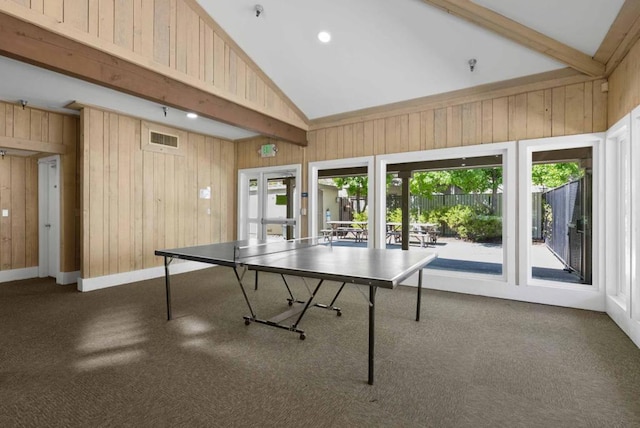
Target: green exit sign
(268, 150)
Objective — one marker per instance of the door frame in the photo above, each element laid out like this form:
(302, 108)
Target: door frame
(261, 174)
(583, 296)
(45, 199)
(314, 167)
(502, 286)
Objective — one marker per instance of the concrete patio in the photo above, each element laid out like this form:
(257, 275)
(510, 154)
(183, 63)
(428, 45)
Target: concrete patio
(485, 258)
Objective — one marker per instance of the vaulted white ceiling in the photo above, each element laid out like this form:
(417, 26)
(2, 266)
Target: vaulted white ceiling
(382, 51)
(386, 51)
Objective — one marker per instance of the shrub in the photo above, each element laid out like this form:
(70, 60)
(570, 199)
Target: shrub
(394, 216)
(473, 223)
(363, 216)
(436, 215)
(458, 217)
(484, 228)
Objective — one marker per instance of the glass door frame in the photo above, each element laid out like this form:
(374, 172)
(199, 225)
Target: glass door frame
(459, 281)
(262, 175)
(314, 167)
(526, 148)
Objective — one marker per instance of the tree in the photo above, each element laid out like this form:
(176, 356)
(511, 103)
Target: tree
(428, 183)
(359, 187)
(355, 186)
(475, 180)
(552, 175)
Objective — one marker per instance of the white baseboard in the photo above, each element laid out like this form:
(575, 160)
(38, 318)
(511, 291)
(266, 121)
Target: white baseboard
(178, 266)
(634, 332)
(618, 312)
(18, 274)
(68, 277)
(592, 300)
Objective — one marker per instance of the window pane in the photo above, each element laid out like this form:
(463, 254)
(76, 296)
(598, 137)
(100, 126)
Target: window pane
(454, 211)
(561, 216)
(343, 209)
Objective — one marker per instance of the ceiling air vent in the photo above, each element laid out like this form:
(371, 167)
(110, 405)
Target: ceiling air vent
(163, 139)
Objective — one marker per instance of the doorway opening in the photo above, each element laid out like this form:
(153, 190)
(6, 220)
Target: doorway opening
(49, 217)
(269, 203)
(561, 215)
(341, 201)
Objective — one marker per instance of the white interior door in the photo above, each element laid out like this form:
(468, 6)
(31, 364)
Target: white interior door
(261, 214)
(49, 217)
(248, 205)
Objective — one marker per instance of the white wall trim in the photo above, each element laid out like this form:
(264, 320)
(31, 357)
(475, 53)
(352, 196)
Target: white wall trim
(18, 274)
(65, 278)
(635, 225)
(485, 285)
(618, 216)
(634, 333)
(589, 299)
(630, 322)
(177, 266)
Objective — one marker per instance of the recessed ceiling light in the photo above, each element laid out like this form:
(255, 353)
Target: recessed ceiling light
(192, 115)
(324, 36)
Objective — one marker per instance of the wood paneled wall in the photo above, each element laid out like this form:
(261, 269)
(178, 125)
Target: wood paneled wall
(175, 37)
(19, 186)
(137, 201)
(574, 109)
(19, 195)
(624, 86)
(565, 110)
(248, 153)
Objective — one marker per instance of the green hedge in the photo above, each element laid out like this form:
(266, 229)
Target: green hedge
(472, 223)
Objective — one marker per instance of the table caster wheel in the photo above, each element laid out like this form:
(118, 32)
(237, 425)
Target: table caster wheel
(339, 313)
(303, 336)
(247, 322)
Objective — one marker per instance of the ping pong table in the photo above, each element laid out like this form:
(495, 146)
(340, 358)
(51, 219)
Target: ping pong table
(308, 258)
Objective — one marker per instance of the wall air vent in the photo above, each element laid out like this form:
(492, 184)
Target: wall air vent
(163, 139)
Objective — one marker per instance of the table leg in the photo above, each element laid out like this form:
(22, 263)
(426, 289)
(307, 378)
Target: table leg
(244, 293)
(167, 285)
(419, 295)
(308, 303)
(372, 319)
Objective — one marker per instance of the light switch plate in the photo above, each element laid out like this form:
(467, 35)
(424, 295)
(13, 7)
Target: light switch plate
(5, 213)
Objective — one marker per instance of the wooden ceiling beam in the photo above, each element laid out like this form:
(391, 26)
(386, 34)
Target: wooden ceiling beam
(621, 37)
(522, 34)
(619, 30)
(34, 45)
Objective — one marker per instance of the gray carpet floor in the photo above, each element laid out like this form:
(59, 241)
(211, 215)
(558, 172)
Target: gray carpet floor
(109, 358)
